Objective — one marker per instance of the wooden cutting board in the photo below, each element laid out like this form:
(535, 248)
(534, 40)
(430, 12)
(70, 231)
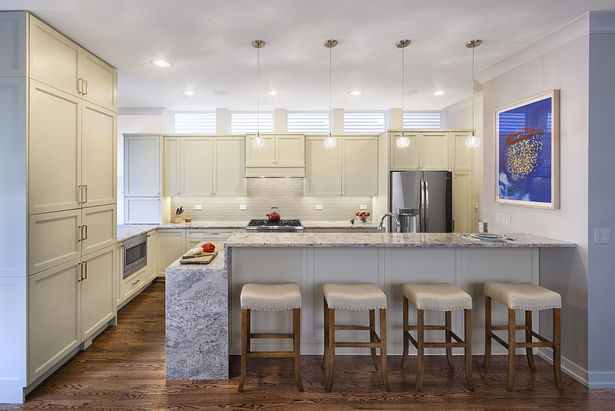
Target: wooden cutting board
(204, 258)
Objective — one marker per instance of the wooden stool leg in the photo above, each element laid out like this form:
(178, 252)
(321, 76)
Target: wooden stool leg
(528, 339)
(557, 353)
(487, 357)
(297, 346)
(420, 321)
(512, 330)
(245, 318)
(468, 347)
(249, 329)
(372, 334)
(404, 357)
(383, 348)
(325, 332)
(331, 315)
(447, 326)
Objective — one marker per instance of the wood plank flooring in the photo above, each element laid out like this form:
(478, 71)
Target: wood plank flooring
(124, 369)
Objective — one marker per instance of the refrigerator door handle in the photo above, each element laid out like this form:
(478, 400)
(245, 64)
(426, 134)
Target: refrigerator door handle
(422, 206)
(426, 208)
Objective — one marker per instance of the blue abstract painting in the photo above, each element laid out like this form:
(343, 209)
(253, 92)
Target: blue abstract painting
(525, 144)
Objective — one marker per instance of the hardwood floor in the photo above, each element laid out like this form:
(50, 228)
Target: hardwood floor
(124, 369)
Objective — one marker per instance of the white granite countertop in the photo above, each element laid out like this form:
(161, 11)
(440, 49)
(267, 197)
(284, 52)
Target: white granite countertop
(516, 240)
(126, 231)
(206, 224)
(338, 224)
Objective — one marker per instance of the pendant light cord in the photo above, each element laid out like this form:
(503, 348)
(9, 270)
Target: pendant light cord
(258, 90)
(330, 87)
(403, 87)
(473, 127)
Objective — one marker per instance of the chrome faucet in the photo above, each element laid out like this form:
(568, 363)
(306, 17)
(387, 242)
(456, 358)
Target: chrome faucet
(381, 223)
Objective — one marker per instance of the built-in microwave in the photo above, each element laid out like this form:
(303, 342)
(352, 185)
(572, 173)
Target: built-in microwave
(135, 254)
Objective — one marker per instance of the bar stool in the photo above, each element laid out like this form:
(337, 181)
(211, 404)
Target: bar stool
(355, 297)
(270, 297)
(437, 297)
(528, 297)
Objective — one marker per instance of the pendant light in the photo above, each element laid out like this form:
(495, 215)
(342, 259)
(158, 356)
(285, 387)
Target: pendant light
(402, 141)
(473, 141)
(258, 142)
(330, 141)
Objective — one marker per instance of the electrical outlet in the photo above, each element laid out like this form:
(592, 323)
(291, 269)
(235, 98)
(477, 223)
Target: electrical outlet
(318, 207)
(502, 219)
(243, 207)
(602, 235)
(198, 206)
(362, 206)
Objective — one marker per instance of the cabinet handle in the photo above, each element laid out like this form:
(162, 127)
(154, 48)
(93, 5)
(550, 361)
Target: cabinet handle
(80, 86)
(80, 230)
(85, 237)
(136, 282)
(85, 186)
(86, 87)
(85, 277)
(80, 272)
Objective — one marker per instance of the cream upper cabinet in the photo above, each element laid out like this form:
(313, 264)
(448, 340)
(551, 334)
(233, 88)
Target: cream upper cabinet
(406, 158)
(197, 166)
(98, 81)
(229, 176)
(463, 156)
(323, 171)
(462, 202)
(54, 59)
(141, 165)
(290, 151)
(54, 149)
(97, 295)
(171, 163)
(264, 156)
(99, 228)
(98, 148)
(360, 166)
(13, 45)
(426, 151)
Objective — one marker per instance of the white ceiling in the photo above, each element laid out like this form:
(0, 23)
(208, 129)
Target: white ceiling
(209, 44)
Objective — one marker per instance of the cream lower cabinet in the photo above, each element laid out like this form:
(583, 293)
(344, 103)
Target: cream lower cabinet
(171, 245)
(99, 228)
(426, 151)
(348, 169)
(195, 237)
(97, 305)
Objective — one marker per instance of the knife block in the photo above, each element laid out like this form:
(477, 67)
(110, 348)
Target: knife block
(176, 219)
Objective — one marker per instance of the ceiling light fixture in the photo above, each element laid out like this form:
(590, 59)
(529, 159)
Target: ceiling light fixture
(161, 63)
(189, 93)
(330, 141)
(258, 142)
(402, 141)
(439, 93)
(473, 140)
(355, 93)
(273, 93)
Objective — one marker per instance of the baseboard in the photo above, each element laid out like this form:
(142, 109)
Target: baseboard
(602, 379)
(577, 372)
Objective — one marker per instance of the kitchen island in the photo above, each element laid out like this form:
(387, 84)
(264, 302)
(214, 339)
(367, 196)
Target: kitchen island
(312, 259)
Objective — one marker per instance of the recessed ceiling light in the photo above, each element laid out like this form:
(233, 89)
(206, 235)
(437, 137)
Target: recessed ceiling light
(189, 93)
(355, 92)
(439, 92)
(161, 63)
(273, 93)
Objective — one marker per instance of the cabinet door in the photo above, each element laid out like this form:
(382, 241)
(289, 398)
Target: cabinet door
(171, 246)
(99, 228)
(172, 161)
(434, 151)
(360, 166)
(141, 166)
(54, 59)
(323, 172)
(197, 166)
(462, 202)
(14, 44)
(462, 155)
(195, 237)
(142, 210)
(99, 154)
(260, 156)
(100, 81)
(406, 158)
(152, 253)
(53, 317)
(97, 296)
(53, 239)
(290, 151)
(229, 167)
(54, 150)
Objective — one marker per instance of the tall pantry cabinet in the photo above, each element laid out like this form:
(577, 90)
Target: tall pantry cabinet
(58, 114)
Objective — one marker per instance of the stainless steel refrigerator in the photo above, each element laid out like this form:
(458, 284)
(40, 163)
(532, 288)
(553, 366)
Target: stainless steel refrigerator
(425, 194)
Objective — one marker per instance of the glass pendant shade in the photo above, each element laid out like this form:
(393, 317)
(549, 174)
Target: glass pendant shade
(402, 142)
(258, 142)
(473, 141)
(330, 142)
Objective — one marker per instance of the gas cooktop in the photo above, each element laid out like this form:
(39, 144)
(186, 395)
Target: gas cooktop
(290, 226)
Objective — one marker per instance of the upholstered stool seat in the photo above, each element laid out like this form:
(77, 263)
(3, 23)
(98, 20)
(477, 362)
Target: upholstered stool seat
(437, 297)
(271, 297)
(527, 297)
(523, 296)
(354, 297)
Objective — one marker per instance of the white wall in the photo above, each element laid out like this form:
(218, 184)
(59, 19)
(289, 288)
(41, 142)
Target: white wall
(564, 67)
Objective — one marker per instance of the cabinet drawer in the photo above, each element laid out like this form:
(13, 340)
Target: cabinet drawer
(53, 239)
(133, 284)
